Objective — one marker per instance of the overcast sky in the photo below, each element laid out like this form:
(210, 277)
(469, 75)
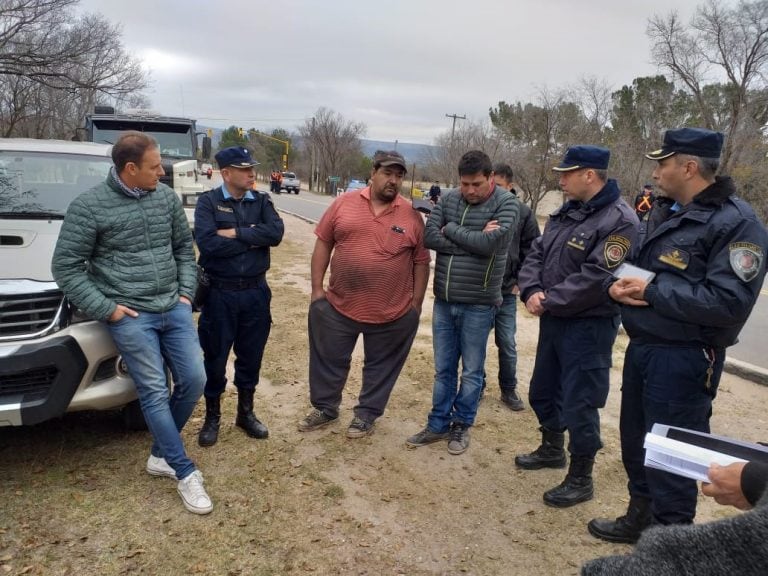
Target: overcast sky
(398, 66)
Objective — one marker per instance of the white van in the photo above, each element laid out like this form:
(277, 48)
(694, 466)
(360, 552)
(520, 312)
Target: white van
(53, 359)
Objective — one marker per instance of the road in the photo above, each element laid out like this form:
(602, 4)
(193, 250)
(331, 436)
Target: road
(750, 348)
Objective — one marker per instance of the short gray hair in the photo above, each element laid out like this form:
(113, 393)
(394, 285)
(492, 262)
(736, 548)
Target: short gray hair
(707, 166)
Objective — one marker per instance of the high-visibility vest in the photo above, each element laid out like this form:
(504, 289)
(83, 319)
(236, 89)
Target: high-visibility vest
(644, 204)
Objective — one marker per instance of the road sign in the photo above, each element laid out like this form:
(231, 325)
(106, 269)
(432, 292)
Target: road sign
(334, 178)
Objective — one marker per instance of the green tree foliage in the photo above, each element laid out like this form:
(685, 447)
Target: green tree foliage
(536, 135)
(231, 137)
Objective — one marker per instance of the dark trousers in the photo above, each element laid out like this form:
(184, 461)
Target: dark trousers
(332, 338)
(665, 384)
(239, 319)
(570, 378)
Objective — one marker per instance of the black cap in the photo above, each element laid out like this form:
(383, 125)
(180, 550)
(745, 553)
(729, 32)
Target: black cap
(235, 156)
(578, 157)
(694, 141)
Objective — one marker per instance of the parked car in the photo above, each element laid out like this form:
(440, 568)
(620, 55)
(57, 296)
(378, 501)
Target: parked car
(53, 359)
(290, 183)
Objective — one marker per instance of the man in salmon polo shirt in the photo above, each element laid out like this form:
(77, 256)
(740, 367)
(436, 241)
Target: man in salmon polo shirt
(374, 242)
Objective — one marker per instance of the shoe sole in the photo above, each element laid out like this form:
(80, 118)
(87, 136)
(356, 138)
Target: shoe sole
(515, 408)
(160, 474)
(303, 428)
(556, 466)
(355, 434)
(610, 538)
(419, 444)
(195, 509)
(457, 452)
(250, 435)
(567, 503)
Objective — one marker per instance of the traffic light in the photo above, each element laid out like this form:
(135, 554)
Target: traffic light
(210, 132)
(240, 131)
(285, 161)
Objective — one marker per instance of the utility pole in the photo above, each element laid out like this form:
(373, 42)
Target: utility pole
(453, 127)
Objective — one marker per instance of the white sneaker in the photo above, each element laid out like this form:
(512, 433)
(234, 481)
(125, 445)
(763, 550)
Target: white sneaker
(193, 494)
(157, 466)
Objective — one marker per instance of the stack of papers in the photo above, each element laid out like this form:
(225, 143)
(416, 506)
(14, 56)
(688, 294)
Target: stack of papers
(689, 453)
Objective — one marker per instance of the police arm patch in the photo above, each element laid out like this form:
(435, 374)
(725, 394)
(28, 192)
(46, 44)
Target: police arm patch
(615, 250)
(746, 259)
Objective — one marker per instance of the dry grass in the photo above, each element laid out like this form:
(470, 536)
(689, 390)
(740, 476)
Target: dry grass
(76, 500)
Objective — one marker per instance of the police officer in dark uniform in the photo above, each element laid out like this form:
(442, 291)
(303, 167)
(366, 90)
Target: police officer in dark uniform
(564, 280)
(707, 250)
(234, 229)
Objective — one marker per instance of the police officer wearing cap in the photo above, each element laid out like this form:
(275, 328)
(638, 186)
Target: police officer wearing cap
(564, 281)
(707, 250)
(234, 229)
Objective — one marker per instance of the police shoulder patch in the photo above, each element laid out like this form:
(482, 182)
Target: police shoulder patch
(746, 259)
(615, 250)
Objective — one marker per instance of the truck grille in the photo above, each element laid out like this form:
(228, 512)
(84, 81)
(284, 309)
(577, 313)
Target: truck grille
(32, 384)
(28, 314)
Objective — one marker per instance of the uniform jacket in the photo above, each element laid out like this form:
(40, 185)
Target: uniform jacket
(470, 263)
(256, 223)
(572, 262)
(526, 232)
(115, 249)
(709, 260)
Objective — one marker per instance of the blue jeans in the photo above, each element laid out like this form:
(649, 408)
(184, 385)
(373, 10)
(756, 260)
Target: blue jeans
(147, 343)
(459, 332)
(504, 332)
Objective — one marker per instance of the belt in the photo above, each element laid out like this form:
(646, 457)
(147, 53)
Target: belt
(237, 284)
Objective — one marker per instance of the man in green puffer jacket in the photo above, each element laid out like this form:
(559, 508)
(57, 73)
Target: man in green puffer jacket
(124, 256)
(470, 229)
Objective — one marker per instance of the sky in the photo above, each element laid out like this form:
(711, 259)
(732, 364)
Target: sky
(398, 66)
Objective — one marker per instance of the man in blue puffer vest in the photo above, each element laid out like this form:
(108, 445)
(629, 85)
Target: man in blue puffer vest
(125, 257)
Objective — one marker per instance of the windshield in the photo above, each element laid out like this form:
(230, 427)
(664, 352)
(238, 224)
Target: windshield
(173, 139)
(43, 183)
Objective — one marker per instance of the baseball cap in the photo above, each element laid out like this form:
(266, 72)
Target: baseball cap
(389, 158)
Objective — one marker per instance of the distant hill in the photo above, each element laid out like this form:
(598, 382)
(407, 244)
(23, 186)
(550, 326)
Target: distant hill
(413, 153)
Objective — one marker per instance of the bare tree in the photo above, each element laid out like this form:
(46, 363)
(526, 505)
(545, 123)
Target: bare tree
(55, 66)
(443, 157)
(334, 142)
(536, 135)
(730, 42)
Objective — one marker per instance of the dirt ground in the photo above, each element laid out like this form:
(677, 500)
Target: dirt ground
(74, 497)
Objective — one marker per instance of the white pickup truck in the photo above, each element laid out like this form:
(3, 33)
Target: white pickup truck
(290, 183)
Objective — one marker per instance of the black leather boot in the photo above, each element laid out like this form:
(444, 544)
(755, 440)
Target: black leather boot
(625, 529)
(246, 419)
(577, 486)
(549, 455)
(209, 433)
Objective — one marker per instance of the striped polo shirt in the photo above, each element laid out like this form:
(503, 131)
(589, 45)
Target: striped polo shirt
(373, 256)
